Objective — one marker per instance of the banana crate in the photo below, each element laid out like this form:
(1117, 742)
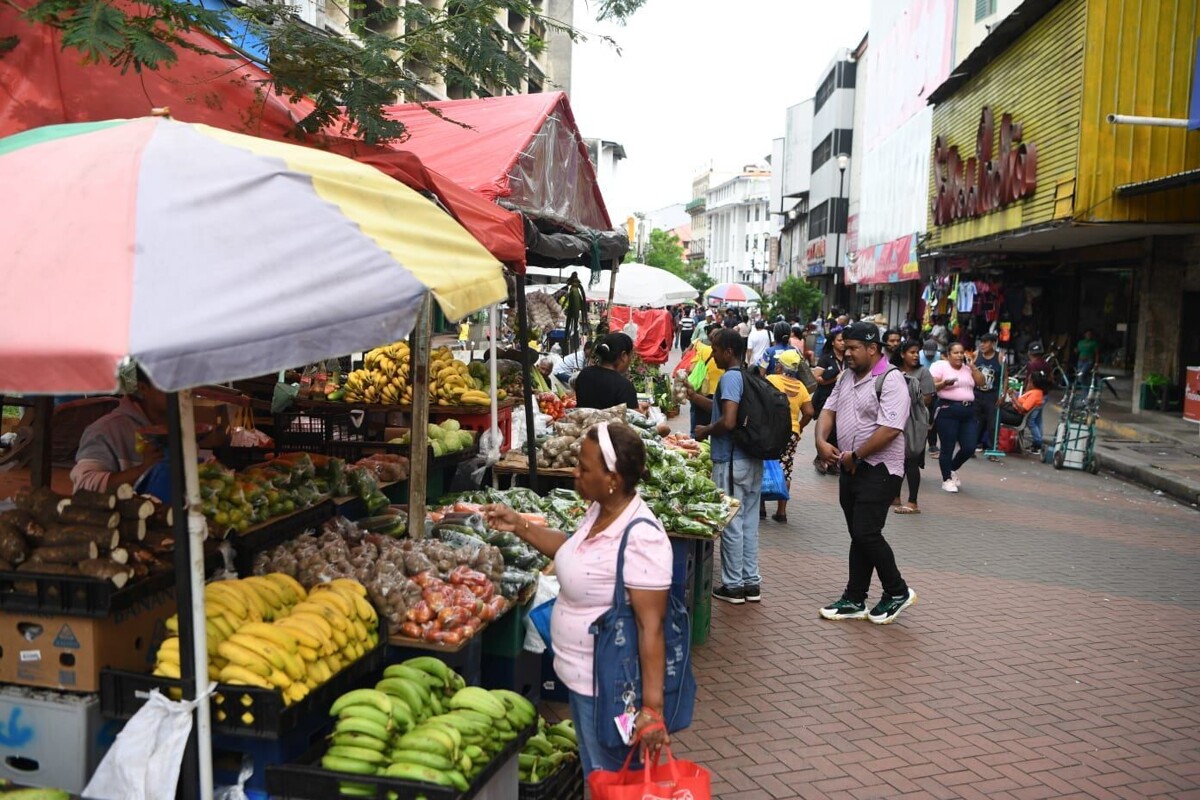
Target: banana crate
(247, 711)
(565, 784)
(308, 780)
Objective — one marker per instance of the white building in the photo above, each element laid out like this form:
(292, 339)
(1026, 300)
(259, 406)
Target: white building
(791, 176)
(549, 70)
(737, 220)
(833, 151)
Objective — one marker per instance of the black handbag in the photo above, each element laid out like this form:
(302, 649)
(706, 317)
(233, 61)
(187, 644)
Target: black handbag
(617, 670)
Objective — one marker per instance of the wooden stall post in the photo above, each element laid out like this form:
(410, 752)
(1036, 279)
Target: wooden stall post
(43, 447)
(418, 479)
(189, 530)
(527, 378)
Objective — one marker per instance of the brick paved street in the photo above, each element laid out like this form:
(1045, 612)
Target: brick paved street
(1054, 651)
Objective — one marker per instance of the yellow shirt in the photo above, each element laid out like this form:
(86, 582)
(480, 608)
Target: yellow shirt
(704, 353)
(797, 395)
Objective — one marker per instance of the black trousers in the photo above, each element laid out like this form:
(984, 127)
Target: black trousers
(685, 339)
(866, 498)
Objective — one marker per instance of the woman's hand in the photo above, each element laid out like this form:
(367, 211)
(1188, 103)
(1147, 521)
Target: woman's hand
(651, 732)
(502, 518)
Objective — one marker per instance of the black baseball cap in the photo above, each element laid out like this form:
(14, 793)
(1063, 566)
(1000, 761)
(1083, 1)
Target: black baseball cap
(861, 331)
(989, 337)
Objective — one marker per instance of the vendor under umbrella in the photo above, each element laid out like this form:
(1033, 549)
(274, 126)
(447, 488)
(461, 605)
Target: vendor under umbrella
(110, 452)
(605, 384)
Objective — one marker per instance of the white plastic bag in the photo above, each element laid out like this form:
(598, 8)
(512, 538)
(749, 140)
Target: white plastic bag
(541, 424)
(144, 762)
(237, 791)
(547, 590)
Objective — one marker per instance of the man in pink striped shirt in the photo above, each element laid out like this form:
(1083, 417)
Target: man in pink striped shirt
(868, 409)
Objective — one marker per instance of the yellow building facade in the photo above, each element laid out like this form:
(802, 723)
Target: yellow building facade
(1032, 183)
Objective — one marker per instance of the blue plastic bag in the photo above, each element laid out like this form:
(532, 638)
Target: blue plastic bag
(774, 484)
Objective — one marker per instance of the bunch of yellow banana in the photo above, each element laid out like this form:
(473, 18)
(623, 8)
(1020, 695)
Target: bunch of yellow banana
(286, 639)
(386, 372)
(384, 377)
(451, 384)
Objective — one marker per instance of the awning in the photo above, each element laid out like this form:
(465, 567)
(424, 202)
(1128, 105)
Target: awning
(41, 84)
(523, 150)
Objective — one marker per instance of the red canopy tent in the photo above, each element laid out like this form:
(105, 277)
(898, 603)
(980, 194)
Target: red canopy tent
(41, 84)
(525, 150)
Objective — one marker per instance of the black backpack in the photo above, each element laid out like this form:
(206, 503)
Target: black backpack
(764, 418)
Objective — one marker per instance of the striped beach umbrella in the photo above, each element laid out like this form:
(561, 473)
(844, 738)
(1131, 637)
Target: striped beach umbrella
(732, 293)
(209, 256)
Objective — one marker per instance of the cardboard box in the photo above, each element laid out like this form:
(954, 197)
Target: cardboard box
(50, 739)
(67, 653)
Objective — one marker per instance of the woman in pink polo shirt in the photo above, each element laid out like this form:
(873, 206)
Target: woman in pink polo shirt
(612, 460)
(955, 379)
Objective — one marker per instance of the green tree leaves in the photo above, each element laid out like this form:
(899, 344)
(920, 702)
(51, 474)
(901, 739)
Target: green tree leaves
(395, 49)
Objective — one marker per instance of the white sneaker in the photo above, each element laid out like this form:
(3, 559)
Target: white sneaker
(957, 481)
(949, 486)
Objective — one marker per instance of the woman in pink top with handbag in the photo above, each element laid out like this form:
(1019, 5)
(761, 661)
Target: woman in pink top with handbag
(955, 378)
(612, 460)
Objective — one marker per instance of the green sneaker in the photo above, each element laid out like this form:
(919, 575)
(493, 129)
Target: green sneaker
(844, 609)
(890, 607)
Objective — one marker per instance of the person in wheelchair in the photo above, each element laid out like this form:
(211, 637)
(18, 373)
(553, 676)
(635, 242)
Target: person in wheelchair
(1014, 409)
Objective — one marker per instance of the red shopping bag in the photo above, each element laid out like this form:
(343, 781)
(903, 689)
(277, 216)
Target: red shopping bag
(672, 779)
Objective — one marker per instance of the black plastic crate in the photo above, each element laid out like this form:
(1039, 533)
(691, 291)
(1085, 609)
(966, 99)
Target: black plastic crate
(123, 693)
(277, 531)
(313, 429)
(522, 674)
(565, 784)
(308, 780)
(465, 659)
(75, 595)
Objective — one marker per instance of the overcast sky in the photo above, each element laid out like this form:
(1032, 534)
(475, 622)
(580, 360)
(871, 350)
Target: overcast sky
(701, 81)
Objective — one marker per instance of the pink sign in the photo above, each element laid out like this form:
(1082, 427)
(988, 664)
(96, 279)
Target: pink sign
(886, 263)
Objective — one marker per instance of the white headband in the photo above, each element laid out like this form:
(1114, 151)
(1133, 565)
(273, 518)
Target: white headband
(606, 447)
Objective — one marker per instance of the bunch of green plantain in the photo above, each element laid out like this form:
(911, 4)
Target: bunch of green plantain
(32, 794)
(420, 723)
(546, 751)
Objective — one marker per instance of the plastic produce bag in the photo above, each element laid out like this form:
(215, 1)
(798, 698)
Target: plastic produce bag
(144, 762)
(774, 484)
(547, 592)
(238, 790)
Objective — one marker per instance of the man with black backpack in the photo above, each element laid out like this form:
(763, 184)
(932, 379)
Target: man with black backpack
(869, 408)
(736, 470)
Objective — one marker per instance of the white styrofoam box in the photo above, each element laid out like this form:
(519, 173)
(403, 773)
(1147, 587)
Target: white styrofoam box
(52, 739)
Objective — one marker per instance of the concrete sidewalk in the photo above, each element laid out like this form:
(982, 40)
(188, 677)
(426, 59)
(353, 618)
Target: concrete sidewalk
(1160, 450)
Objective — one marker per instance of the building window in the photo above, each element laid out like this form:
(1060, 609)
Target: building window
(984, 9)
(747, 213)
(838, 141)
(757, 213)
(747, 244)
(825, 90)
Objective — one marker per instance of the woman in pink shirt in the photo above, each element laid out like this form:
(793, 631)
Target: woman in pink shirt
(612, 460)
(955, 378)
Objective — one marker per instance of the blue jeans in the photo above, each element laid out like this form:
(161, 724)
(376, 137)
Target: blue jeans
(742, 480)
(956, 425)
(1034, 425)
(592, 754)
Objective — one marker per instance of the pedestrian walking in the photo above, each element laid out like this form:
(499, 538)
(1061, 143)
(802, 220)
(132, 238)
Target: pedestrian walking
(687, 326)
(786, 378)
(734, 471)
(908, 360)
(828, 368)
(758, 342)
(987, 360)
(955, 379)
(869, 421)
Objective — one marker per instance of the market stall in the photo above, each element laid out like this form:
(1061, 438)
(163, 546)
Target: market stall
(523, 152)
(343, 271)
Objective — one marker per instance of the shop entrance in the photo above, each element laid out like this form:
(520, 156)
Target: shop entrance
(1107, 305)
(1189, 337)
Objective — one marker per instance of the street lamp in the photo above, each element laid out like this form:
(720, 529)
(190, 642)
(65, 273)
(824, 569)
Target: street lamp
(843, 161)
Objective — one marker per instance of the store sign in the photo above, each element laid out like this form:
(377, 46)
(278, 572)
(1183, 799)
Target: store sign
(815, 251)
(890, 262)
(987, 181)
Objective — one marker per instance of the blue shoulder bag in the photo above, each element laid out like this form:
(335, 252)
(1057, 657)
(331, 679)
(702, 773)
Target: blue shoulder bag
(617, 670)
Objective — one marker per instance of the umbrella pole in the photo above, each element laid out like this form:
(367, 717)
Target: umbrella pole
(612, 285)
(527, 379)
(493, 313)
(418, 478)
(190, 530)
